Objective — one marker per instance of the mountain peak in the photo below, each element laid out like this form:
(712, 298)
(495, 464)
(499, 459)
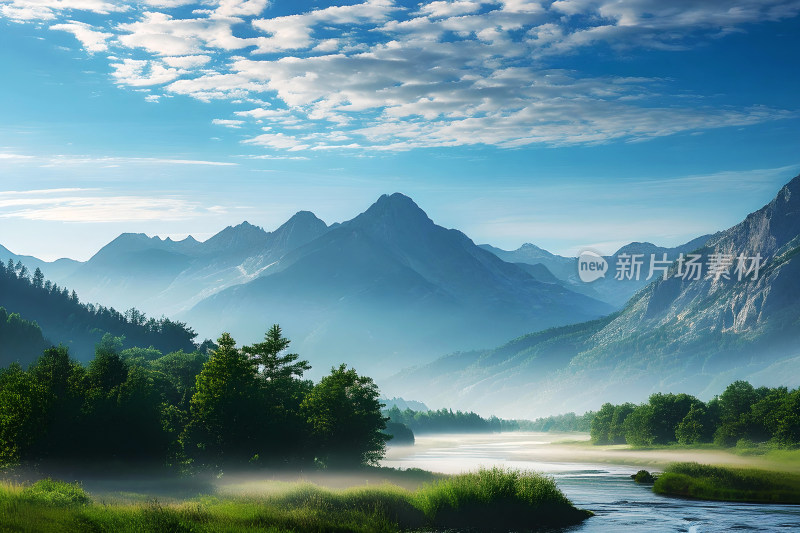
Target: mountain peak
(244, 235)
(397, 208)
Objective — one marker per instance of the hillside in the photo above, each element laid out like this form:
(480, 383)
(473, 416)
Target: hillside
(63, 319)
(688, 335)
(388, 288)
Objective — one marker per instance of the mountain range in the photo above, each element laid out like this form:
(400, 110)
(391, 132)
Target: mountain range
(678, 334)
(391, 290)
(382, 291)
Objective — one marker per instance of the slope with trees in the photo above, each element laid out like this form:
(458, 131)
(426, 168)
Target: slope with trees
(236, 407)
(63, 319)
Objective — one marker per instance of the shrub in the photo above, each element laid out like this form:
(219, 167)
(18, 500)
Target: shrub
(497, 499)
(57, 493)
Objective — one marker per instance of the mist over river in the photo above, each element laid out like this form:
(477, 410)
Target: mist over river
(598, 480)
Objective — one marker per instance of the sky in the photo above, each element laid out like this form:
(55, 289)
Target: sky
(569, 124)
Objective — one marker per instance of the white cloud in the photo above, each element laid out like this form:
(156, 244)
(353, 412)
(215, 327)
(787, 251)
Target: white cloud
(228, 123)
(99, 208)
(187, 62)
(161, 34)
(383, 76)
(280, 141)
(25, 10)
(294, 32)
(449, 9)
(143, 73)
(91, 39)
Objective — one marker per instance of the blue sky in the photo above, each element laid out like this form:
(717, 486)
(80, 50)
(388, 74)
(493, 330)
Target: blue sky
(569, 124)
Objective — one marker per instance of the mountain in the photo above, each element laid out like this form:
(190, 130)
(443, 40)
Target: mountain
(615, 292)
(162, 276)
(562, 267)
(37, 313)
(390, 288)
(680, 335)
(57, 269)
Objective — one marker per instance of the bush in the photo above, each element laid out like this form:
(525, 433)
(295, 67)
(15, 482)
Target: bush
(497, 499)
(643, 476)
(706, 482)
(56, 493)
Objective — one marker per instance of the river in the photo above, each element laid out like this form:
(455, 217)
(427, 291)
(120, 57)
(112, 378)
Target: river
(596, 481)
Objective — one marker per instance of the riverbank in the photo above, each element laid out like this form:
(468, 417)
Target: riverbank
(552, 449)
(488, 499)
(692, 480)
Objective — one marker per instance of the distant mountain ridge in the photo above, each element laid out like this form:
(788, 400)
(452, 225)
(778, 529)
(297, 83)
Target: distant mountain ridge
(687, 335)
(614, 292)
(391, 283)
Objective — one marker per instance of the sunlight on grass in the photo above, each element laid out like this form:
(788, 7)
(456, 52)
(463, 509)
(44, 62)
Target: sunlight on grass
(487, 499)
(706, 482)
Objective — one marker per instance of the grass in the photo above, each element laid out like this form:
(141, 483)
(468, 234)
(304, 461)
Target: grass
(486, 500)
(693, 480)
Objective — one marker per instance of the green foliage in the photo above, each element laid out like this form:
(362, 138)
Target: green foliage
(446, 421)
(498, 499)
(601, 425)
(643, 476)
(638, 426)
(224, 408)
(22, 339)
(135, 407)
(22, 414)
(56, 493)
(563, 422)
(741, 412)
(63, 318)
(344, 416)
(492, 499)
(693, 429)
(400, 433)
(728, 484)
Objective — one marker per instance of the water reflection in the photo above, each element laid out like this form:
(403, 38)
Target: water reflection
(591, 483)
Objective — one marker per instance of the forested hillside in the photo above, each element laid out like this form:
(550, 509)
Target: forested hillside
(63, 319)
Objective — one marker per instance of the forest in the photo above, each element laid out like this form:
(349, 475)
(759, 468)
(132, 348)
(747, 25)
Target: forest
(228, 408)
(63, 318)
(741, 416)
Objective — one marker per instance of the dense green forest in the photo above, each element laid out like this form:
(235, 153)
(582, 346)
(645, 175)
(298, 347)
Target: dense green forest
(22, 339)
(443, 421)
(447, 421)
(741, 416)
(64, 319)
(565, 422)
(230, 408)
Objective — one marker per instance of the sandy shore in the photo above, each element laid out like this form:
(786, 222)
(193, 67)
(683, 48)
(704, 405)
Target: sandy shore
(564, 448)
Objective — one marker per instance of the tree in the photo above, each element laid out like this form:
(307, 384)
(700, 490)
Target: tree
(639, 426)
(617, 433)
(38, 278)
(225, 408)
(283, 390)
(345, 419)
(735, 404)
(668, 411)
(21, 414)
(274, 363)
(601, 425)
(693, 428)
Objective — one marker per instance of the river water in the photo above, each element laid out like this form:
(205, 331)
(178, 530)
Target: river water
(592, 482)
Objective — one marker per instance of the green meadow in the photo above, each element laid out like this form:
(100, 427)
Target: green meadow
(486, 500)
(693, 480)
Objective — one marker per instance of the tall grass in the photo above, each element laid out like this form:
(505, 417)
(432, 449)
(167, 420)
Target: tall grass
(497, 499)
(706, 482)
(487, 500)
